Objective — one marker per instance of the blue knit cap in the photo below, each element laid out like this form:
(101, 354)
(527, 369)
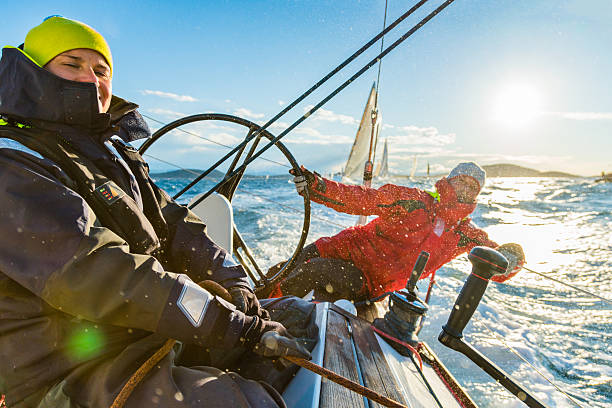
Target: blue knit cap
(469, 169)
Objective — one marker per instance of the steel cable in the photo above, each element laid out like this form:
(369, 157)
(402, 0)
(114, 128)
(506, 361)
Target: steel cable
(509, 347)
(325, 100)
(311, 90)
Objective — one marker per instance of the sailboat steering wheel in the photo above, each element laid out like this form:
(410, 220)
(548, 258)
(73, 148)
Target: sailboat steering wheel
(263, 283)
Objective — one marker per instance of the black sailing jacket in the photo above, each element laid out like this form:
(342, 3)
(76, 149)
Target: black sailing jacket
(76, 290)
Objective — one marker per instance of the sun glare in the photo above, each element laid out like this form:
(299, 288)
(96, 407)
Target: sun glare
(516, 104)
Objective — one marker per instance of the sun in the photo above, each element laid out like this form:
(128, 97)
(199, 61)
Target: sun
(516, 104)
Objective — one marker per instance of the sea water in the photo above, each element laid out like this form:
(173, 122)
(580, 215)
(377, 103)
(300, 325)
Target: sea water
(563, 336)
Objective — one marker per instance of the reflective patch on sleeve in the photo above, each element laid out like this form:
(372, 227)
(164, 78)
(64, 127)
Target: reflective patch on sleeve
(229, 261)
(193, 302)
(6, 143)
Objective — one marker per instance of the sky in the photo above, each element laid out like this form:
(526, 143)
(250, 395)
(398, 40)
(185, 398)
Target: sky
(510, 81)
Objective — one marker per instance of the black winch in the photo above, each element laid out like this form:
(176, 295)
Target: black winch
(406, 310)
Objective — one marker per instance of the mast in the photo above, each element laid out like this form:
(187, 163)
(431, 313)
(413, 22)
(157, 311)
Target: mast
(367, 170)
(360, 151)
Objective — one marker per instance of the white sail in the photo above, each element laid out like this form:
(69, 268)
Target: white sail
(382, 168)
(414, 167)
(361, 147)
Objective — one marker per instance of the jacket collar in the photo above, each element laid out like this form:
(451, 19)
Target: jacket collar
(32, 94)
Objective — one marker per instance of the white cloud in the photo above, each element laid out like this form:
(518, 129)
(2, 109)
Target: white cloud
(278, 126)
(180, 98)
(414, 135)
(246, 113)
(581, 115)
(308, 135)
(331, 116)
(167, 112)
(281, 103)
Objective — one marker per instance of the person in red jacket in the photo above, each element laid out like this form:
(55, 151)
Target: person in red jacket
(366, 261)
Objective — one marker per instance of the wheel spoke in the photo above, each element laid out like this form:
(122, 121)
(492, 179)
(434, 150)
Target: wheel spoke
(241, 251)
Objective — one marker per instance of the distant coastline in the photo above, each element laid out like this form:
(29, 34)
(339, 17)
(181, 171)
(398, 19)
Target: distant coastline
(512, 170)
(493, 170)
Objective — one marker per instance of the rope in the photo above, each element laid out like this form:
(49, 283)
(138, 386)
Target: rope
(326, 220)
(211, 141)
(529, 363)
(398, 341)
(219, 290)
(382, 43)
(148, 365)
(246, 191)
(315, 108)
(142, 371)
(568, 285)
(442, 376)
(345, 382)
(374, 113)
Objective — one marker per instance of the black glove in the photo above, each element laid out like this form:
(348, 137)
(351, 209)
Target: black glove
(271, 339)
(245, 300)
(303, 182)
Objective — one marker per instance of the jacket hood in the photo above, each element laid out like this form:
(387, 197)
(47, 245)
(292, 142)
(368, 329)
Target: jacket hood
(31, 93)
(449, 209)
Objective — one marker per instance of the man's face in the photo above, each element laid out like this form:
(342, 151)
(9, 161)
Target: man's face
(85, 65)
(466, 188)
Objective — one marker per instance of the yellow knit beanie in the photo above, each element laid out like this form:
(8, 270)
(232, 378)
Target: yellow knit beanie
(57, 34)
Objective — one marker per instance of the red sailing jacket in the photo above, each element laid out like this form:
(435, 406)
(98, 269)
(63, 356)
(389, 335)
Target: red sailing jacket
(409, 221)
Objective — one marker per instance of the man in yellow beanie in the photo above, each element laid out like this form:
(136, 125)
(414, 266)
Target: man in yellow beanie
(74, 51)
(97, 264)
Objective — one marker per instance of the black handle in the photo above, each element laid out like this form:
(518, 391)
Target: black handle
(486, 262)
(417, 270)
(490, 368)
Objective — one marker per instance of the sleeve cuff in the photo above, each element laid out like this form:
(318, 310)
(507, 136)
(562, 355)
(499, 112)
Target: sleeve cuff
(194, 315)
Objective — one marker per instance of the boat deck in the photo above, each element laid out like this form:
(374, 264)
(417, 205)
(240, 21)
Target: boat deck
(349, 347)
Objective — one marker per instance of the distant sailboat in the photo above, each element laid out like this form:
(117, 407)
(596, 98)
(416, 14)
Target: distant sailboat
(382, 169)
(361, 146)
(414, 167)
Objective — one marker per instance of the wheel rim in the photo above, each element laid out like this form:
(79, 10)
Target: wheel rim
(263, 283)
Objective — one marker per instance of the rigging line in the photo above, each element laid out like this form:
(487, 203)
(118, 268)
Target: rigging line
(211, 141)
(285, 206)
(374, 113)
(330, 96)
(382, 42)
(509, 347)
(562, 283)
(568, 285)
(302, 97)
(482, 321)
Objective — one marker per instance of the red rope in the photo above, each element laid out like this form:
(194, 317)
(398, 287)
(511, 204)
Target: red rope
(398, 341)
(448, 386)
